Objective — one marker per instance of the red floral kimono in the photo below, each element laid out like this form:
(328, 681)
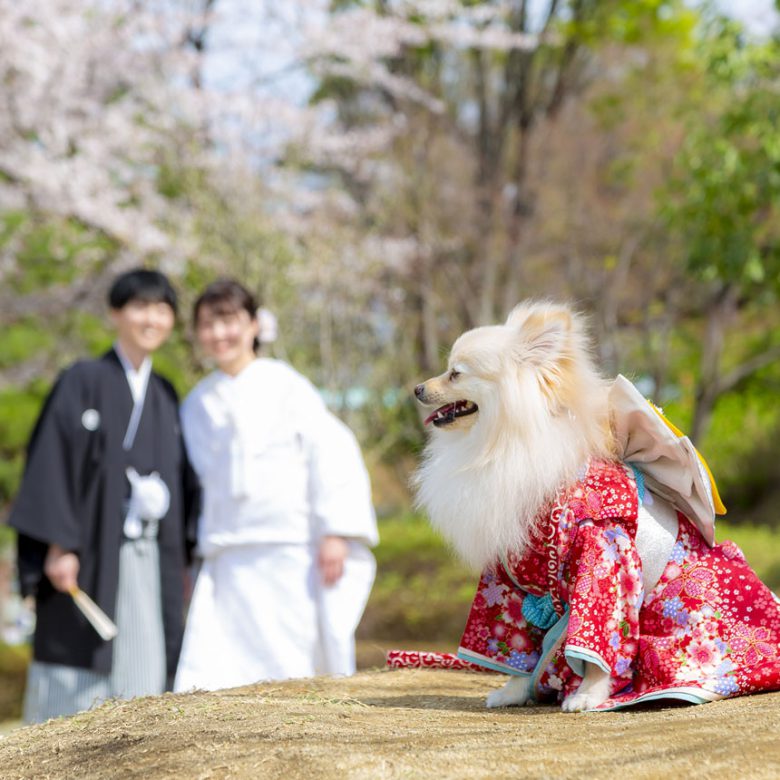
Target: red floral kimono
(709, 629)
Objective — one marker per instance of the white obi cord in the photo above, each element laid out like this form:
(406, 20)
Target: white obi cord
(149, 501)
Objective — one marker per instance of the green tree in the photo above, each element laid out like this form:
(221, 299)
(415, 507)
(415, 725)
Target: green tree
(723, 206)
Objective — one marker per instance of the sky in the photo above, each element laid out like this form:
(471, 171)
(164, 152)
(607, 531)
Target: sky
(758, 16)
(269, 47)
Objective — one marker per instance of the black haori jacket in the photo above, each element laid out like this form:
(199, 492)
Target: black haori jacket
(73, 494)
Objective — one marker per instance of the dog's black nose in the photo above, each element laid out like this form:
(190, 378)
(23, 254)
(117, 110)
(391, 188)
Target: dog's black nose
(419, 390)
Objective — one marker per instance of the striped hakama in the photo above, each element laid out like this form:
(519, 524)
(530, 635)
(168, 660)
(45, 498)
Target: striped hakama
(138, 667)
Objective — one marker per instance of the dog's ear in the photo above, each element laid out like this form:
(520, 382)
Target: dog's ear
(543, 332)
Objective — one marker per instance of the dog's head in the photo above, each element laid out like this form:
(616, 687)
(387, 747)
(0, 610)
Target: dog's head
(518, 412)
(535, 365)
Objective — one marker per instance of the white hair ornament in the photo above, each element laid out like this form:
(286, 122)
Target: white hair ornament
(269, 326)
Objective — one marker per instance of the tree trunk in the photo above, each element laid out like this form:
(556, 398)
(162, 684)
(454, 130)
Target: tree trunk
(429, 332)
(519, 211)
(489, 142)
(720, 315)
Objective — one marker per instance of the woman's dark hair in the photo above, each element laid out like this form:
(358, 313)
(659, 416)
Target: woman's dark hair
(141, 285)
(226, 296)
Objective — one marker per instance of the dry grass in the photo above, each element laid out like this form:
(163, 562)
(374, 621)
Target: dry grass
(399, 724)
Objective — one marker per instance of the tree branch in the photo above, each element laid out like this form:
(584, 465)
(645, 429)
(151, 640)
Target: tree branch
(748, 368)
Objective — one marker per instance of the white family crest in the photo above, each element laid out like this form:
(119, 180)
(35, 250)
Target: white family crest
(91, 419)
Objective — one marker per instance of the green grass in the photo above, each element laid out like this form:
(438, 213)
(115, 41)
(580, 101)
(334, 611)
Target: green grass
(761, 546)
(13, 672)
(422, 591)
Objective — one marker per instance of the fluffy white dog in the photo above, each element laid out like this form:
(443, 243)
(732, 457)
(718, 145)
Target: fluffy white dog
(592, 520)
(517, 413)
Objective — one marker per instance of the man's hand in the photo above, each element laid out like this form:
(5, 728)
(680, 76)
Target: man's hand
(62, 568)
(333, 551)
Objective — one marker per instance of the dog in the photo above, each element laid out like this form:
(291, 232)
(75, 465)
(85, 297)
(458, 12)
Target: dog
(526, 458)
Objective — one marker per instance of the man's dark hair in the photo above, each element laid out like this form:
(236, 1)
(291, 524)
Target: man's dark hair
(141, 285)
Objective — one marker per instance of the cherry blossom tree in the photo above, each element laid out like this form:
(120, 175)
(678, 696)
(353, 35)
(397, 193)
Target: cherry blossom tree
(384, 174)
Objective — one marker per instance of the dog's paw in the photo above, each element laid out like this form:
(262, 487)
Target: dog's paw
(594, 690)
(578, 702)
(515, 693)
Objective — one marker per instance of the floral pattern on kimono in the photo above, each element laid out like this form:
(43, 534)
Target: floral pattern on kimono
(594, 525)
(708, 629)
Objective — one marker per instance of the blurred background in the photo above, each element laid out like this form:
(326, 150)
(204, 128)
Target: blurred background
(386, 174)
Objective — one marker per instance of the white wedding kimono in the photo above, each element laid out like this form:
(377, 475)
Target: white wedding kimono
(278, 472)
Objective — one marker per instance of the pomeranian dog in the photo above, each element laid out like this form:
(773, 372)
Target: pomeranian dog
(520, 417)
(519, 410)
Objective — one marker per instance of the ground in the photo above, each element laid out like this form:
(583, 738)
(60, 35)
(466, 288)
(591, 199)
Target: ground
(393, 724)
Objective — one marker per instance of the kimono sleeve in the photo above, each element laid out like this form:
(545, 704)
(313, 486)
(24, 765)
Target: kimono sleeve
(196, 431)
(497, 634)
(46, 507)
(45, 510)
(339, 487)
(605, 596)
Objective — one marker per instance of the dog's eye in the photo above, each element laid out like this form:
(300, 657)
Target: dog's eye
(454, 375)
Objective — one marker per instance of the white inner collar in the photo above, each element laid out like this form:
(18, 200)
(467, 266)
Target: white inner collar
(136, 379)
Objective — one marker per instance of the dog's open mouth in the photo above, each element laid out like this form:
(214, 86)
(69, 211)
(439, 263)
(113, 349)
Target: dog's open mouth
(447, 414)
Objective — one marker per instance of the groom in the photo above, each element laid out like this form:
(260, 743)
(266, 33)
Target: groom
(108, 439)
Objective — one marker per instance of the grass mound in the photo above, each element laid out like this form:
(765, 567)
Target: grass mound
(400, 724)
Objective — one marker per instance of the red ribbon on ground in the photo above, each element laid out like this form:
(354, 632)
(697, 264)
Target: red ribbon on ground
(423, 659)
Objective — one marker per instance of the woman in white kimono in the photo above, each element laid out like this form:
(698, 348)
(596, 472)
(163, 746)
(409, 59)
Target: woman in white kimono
(287, 516)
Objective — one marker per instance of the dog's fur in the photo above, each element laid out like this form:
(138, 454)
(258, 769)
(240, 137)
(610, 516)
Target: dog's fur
(536, 412)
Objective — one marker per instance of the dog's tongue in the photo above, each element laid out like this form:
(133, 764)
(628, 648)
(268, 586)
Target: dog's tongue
(440, 410)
